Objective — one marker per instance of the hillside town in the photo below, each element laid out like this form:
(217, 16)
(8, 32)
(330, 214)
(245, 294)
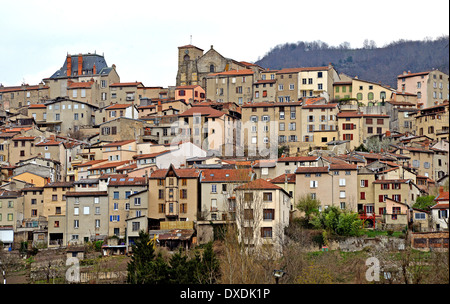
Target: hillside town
(85, 157)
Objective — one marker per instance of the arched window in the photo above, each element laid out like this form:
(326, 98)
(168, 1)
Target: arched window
(359, 96)
(211, 68)
(382, 95)
(370, 96)
(186, 57)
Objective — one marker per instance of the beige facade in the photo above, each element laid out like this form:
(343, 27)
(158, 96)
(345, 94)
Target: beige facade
(374, 124)
(22, 148)
(175, 194)
(122, 128)
(262, 213)
(67, 115)
(120, 150)
(335, 185)
(13, 98)
(266, 124)
(33, 202)
(87, 216)
(11, 206)
(342, 90)
(431, 87)
(231, 86)
(78, 70)
(370, 93)
(54, 197)
(296, 83)
(319, 124)
(433, 122)
(399, 190)
(218, 194)
(119, 190)
(210, 129)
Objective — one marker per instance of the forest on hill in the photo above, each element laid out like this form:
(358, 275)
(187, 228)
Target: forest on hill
(372, 63)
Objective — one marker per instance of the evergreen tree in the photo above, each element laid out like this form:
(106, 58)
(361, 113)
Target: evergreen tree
(140, 267)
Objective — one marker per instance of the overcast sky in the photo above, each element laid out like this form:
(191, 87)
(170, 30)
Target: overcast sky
(141, 37)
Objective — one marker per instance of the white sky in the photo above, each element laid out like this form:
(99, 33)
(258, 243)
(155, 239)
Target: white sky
(141, 37)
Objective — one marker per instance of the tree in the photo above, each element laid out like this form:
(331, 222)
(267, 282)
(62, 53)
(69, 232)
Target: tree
(309, 206)
(424, 202)
(143, 264)
(338, 222)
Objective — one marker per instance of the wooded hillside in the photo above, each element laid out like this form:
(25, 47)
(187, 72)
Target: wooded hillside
(372, 63)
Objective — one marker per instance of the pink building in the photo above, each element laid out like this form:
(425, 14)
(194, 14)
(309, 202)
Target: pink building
(194, 93)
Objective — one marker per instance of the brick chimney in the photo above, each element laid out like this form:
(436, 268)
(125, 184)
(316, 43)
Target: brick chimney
(69, 65)
(80, 64)
(94, 69)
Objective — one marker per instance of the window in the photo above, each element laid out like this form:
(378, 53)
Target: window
(313, 184)
(137, 201)
(266, 232)
(269, 214)
(214, 188)
(76, 224)
(267, 196)
(54, 197)
(342, 182)
(76, 211)
(183, 193)
(116, 195)
(85, 210)
(419, 216)
(341, 194)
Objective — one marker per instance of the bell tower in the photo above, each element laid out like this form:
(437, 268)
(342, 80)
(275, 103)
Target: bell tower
(187, 64)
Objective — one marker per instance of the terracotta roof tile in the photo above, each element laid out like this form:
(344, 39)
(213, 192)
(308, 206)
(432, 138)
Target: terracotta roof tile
(259, 184)
(305, 170)
(118, 106)
(86, 193)
(119, 143)
(203, 111)
(282, 179)
(234, 73)
(226, 175)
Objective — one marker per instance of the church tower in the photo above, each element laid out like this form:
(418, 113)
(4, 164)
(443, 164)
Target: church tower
(187, 65)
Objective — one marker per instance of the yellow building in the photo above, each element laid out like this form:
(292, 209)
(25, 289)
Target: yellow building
(370, 93)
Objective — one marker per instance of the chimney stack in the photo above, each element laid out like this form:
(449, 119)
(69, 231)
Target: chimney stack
(69, 65)
(80, 64)
(94, 69)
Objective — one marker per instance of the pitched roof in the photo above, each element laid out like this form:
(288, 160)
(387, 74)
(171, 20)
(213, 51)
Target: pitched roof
(259, 184)
(87, 193)
(391, 181)
(127, 181)
(50, 142)
(321, 106)
(226, 175)
(289, 177)
(443, 196)
(118, 106)
(296, 70)
(119, 143)
(298, 159)
(126, 84)
(90, 163)
(203, 111)
(181, 173)
(306, 170)
(150, 155)
(110, 165)
(234, 73)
